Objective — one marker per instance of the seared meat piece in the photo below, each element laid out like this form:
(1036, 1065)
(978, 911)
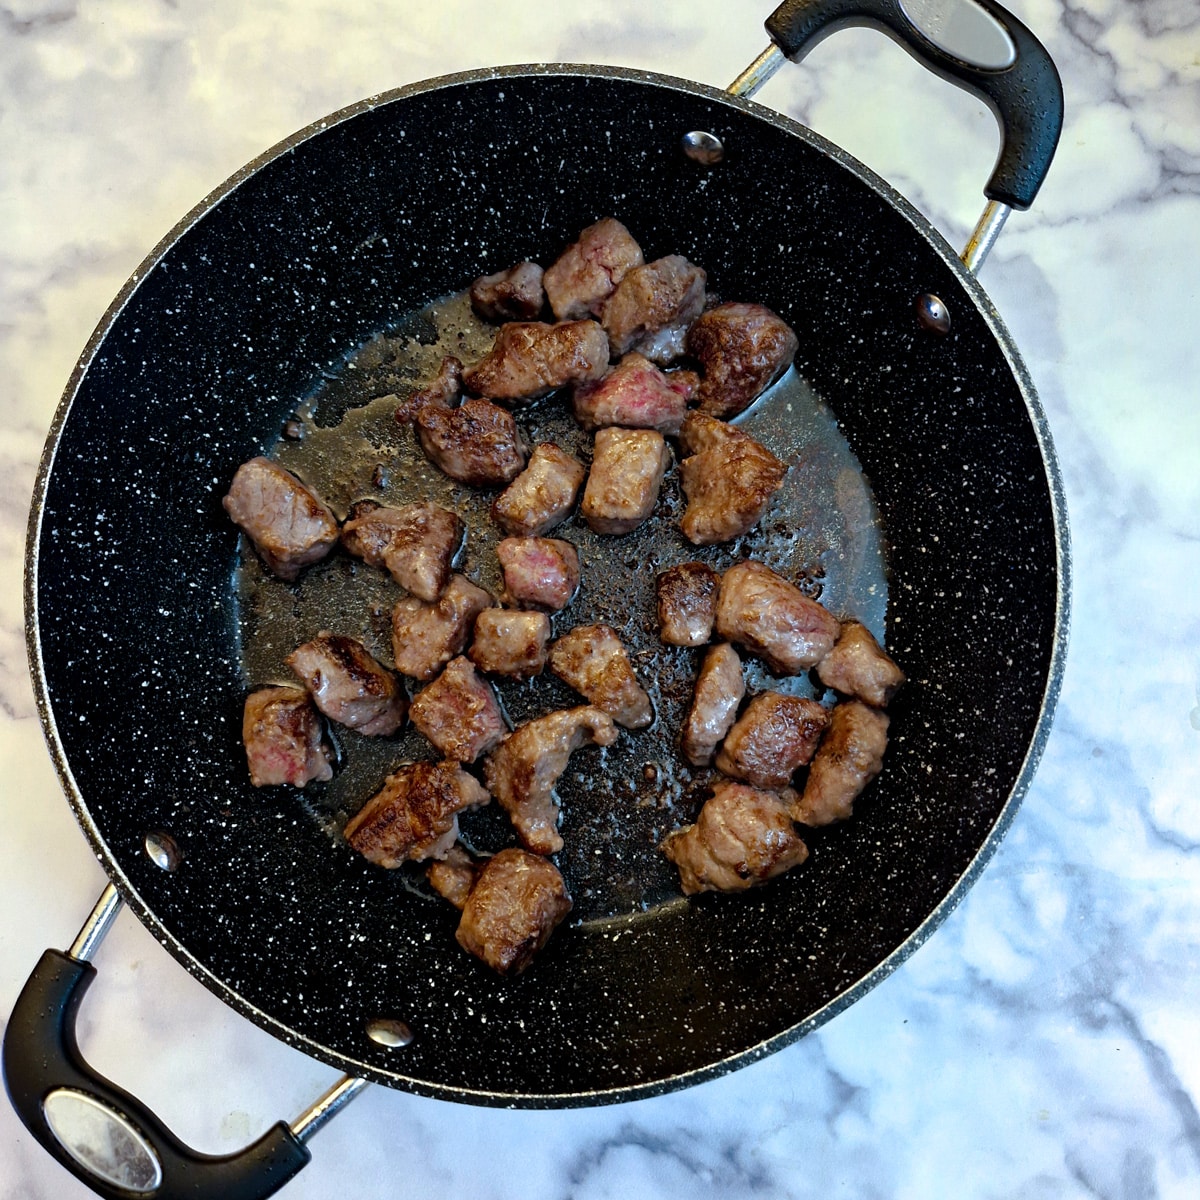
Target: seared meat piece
(427, 636)
(742, 838)
(774, 619)
(628, 466)
(719, 690)
(510, 643)
(512, 295)
(850, 756)
(454, 876)
(416, 543)
(592, 660)
(540, 573)
(728, 479)
(458, 713)
(542, 495)
(441, 393)
(687, 604)
(348, 685)
(415, 815)
(477, 443)
(282, 735)
(522, 771)
(588, 271)
(529, 359)
(288, 523)
(635, 394)
(665, 294)
(857, 666)
(775, 735)
(512, 910)
(743, 349)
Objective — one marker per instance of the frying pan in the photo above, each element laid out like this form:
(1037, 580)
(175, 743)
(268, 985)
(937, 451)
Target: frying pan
(137, 614)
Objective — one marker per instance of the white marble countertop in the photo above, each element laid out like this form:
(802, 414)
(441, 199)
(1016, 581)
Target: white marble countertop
(1044, 1043)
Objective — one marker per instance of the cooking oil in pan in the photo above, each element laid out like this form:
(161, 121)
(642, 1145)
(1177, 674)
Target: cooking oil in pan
(821, 531)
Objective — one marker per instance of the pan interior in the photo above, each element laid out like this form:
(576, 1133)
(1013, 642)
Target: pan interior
(255, 304)
(821, 532)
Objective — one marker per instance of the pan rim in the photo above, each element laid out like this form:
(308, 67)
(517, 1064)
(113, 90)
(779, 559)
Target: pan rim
(855, 991)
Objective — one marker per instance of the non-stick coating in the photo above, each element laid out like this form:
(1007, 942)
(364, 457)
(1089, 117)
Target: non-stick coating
(281, 276)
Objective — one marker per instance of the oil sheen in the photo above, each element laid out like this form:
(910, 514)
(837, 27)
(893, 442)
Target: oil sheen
(821, 531)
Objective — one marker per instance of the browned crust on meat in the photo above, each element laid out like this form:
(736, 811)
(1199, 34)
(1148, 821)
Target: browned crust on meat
(771, 739)
(761, 611)
(542, 496)
(514, 906)
(687, 603)
(477, 443)
(728, 479)
(414, 815)
(742, 838)
(849, 757)
(593, 660)
(528, 359)
(858, 666)
(743, 348)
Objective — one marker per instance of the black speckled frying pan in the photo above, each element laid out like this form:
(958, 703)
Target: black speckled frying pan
(146, 627)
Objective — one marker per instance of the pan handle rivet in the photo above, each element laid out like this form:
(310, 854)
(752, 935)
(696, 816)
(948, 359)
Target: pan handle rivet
(704, 148)
(932, 313)
(163, 850)
(393, 1034)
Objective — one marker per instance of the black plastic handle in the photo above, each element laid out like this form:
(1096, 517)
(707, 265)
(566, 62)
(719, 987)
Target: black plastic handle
(41, 1056)
(1027, 96)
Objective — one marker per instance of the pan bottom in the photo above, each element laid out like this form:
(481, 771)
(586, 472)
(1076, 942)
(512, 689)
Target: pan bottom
(821, 531)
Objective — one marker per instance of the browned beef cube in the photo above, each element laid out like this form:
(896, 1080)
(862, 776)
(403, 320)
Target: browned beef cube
(771, 739)
(529, 359)
(510, 913)
(415, 815)
(660, 295)
(728, 478)
(282, 735)
(743, 349)
(512, 295)
(542, 496)
(719, 690)
(772, 618)
(427, 636)
(416, 543)
(628, 466)
(849, 757)
(522, 771)
(587, 271)
(477, 443)
(856, 666)
(541, 573)
(288, 523)
(634, 394)
(742, 838)
(458, 713)
(687, 604)
(348, 685)
(593, 661)
(509, 642)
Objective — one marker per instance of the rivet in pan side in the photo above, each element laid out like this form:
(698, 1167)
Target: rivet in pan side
(162, 850)
(704, 148)
(932, 313)
(393, 1034)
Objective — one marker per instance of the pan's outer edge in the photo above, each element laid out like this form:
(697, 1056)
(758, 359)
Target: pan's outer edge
(916, 939)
